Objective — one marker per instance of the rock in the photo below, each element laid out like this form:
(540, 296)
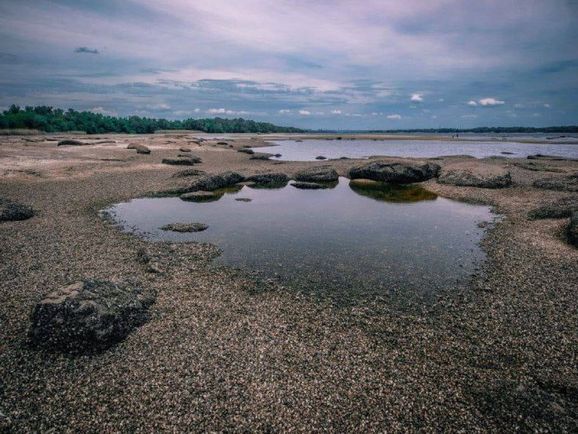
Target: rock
(269, 178)
(563, 208)
(13, 211)
(506, 153)
(565, 183)
(188, 160)
(572, 230)
(260, 156)
(278, 155)
(536, 166)
(184, 150)
(246, 151)
(200, 196)
(310, 185)
(317, 174)
(222, 143)
(188, 172)
(397, 173)
(140, 149)
(89, 316)
(473, 178)
(321, 157)
(214, 182)
(185, 227)
(243, 199)
(70, 142)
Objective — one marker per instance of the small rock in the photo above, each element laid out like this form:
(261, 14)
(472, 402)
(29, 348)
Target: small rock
(88, 316)
(495, 178)
(190, 160)
(188, 172)
(572, 229)
(269, 178)
(243, 199)
(184, 149)
(185, 227)
(246, 151)
(320, 157)
(214, 182)
(260, 156)
(140, 149)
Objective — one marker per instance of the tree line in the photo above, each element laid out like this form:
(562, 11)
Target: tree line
(51, 120)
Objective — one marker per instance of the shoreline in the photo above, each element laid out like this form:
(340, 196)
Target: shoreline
(220, 355)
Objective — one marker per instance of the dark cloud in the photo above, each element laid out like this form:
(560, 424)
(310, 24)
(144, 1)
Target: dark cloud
(86, 50)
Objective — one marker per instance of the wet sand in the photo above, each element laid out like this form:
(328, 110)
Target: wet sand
(225, 350)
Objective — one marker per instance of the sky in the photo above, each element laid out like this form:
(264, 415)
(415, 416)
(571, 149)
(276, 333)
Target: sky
(340, 64)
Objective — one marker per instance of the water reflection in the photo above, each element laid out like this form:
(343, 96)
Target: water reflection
(390, 192)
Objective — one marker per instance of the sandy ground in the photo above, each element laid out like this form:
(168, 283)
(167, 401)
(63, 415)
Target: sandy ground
(227, 352)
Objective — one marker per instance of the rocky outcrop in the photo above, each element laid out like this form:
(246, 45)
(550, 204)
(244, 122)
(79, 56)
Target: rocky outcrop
(13, 211)
(269, 179)
(493, 178)
(214, 182)
(396, 173)
(89, 316)
(572, 230)
(140, 149)
(563, 208)
(317, 174)
(185, 227)
(200, 196)
(564, 183)
(71, 142)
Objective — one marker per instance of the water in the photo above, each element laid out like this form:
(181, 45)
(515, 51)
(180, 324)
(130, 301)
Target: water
(307, 150)
(354, 242)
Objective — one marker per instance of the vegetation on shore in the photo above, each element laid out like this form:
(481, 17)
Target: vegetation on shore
(51, 119)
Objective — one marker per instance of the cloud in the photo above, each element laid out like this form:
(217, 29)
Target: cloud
(394, 117)
(416, 97)
(490, 102)
(472, 103)
(86, 50)
(547, 105)
(103, 111)
(304, 112)
(223, 111)
(284, 111)
(336, 112)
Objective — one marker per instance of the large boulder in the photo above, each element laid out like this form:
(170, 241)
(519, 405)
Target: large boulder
(215, 182)
(565, 183)
(572, 230)
(317, 174)
(89, 316)
(12, 211)
(396, 173)
(182, 160)
(471, 177)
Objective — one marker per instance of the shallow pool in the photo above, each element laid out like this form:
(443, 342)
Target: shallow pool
(355, 241)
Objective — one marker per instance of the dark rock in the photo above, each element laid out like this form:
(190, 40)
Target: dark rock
(200, 196)
(185, 227)
(260, 156)
(572, 229)
(184, 150)
(269, 178)
(70, 142)
(545, 157)
(214, 182)
(563, 208)
(397, 173)
(506, 153)
(188, 172)
(310, 185)
(246, 151)
(278, 155)
(89, 316)
(222, 143)
(243, 199)
(188, 160)
(140, 149)
(317, 174)
(320, 157)
(12, 211)
(466, 178)
(565, 183)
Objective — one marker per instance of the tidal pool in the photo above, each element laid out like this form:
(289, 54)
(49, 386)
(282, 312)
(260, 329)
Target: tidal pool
(357, 241)
(308, 150)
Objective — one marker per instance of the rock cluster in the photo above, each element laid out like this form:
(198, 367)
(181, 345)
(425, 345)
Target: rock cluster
(185, 227)
(469, 178)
